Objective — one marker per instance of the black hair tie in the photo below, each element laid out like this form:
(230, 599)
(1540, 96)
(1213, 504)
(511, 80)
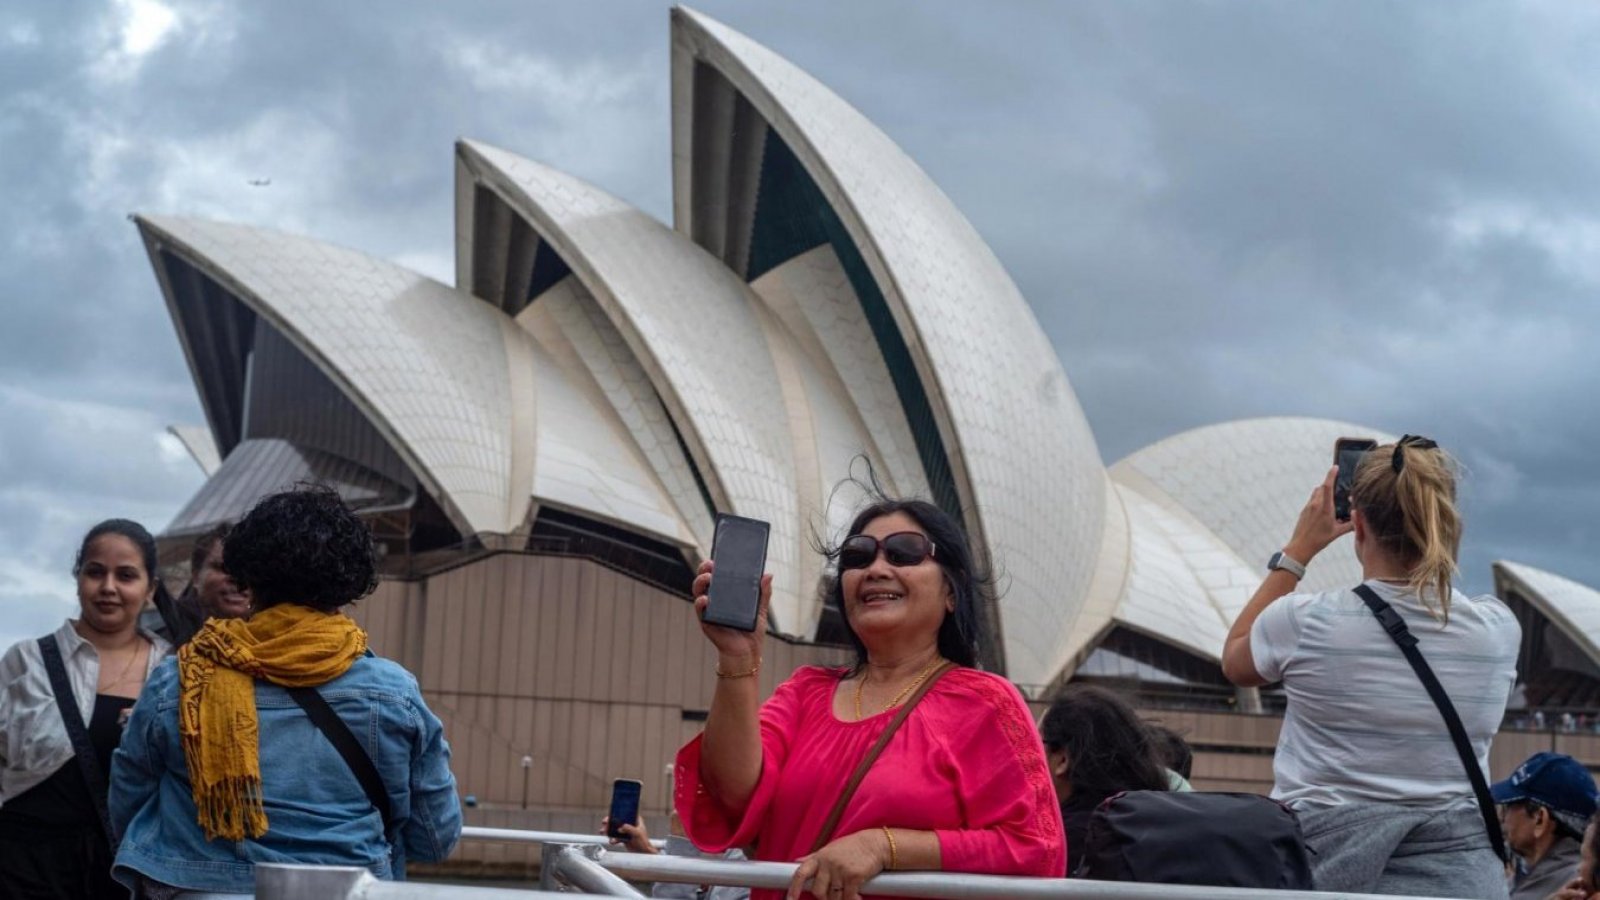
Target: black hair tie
(1410, 440)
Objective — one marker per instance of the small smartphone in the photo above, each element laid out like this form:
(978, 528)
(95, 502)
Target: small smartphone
(1347, 454)
(739, 555)
(624, 806)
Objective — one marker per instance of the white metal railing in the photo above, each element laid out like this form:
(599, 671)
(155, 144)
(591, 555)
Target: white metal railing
(588, 858)
(292, 882)
(578, 864)
(514, 836)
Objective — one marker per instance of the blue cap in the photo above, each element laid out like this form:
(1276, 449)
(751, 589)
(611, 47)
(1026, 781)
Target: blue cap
(1552, 780)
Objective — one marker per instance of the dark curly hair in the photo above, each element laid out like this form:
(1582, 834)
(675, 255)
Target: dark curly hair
(302, 546)
(961, 632)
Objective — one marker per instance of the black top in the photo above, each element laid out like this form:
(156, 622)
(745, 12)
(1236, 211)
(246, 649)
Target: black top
(61, 803)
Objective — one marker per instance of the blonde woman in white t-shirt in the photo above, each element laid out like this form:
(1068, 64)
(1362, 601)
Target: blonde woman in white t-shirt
(1365, 757)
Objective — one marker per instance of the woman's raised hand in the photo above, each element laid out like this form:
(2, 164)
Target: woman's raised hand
(1318, 526)
(838, 870)
(734, 645)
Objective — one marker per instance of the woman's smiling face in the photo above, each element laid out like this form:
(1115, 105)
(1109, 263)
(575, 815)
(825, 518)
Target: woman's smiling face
(882, 600)
(113, 585)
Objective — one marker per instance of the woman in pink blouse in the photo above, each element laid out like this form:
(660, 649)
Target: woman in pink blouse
(962, 786)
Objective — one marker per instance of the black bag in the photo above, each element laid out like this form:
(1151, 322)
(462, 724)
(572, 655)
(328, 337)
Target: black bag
(1213, 839)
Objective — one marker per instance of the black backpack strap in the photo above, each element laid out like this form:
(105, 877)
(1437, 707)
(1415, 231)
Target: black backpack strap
(77, 732)
(343, 740)
(1396, 628)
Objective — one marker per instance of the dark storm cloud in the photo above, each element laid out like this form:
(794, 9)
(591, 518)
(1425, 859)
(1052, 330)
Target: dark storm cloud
(1377, 212)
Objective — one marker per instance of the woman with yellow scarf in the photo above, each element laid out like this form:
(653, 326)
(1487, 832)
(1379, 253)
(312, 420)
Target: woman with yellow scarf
(222, 765)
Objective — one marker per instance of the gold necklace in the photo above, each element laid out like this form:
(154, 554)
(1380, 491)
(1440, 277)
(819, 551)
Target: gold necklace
(905, 692)
(123, 678)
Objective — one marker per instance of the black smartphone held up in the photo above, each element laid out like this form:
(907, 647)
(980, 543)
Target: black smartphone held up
(1347, 454)
(624, 806)
(739, 555)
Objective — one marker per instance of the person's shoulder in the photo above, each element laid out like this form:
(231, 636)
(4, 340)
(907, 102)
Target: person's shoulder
(381, 672)
(16, 661)
(1488, 612)
(16, 655)
(163, 682)
(970, 708)
(1484, 606)
(166, 668)
(25, 653)
(973, 692)
(1292, 610)
(1306, 599)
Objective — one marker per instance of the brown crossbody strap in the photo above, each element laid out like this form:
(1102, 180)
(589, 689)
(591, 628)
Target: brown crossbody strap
(860, 773)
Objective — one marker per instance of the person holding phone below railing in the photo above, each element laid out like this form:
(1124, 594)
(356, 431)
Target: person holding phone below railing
(1366, 757)
(960, 785)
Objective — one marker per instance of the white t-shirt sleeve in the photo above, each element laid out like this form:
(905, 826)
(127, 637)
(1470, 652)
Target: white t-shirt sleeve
(1275, 636)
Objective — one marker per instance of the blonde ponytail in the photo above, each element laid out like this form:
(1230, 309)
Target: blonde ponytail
(1407, 494)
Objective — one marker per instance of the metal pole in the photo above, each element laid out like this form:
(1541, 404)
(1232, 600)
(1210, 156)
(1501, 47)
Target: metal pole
(932, 885)
(275, 881)
(517, 836)
(576, 865)
(527, 766)
(287, 882)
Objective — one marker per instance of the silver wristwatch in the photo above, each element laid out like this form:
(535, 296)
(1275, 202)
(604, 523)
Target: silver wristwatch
(1284, 561)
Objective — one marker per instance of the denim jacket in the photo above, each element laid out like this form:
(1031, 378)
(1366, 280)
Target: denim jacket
(317, 812)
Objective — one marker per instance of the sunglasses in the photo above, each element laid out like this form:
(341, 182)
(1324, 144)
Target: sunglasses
(903, 548)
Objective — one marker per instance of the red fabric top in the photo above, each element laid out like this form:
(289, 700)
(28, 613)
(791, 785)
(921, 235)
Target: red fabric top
(967, 764)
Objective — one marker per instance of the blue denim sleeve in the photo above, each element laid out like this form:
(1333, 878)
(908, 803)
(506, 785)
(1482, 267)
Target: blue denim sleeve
(136, 764)
(434, 826)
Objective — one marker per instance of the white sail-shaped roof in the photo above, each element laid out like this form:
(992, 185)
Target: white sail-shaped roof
(1572, 606)
(201, 446)
(1000, 397)
(485, 418)
(429, 367)
(694, 327)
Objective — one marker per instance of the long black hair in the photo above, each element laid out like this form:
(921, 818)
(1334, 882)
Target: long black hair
(1108, 748)
(961, 632)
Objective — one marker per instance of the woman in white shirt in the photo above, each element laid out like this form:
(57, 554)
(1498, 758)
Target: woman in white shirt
(53, 842)
(1365, 757)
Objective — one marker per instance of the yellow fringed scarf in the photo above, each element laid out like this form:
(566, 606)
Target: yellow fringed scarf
(286, 644)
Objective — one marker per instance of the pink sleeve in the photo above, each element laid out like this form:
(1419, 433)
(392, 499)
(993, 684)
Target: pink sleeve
(712, 827)
(1013, 818)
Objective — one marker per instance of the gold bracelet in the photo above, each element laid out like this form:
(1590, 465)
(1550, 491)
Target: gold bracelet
(894, 859)
(753, 670)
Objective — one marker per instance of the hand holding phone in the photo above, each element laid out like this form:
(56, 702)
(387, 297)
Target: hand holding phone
(624, 807)
(738, 558)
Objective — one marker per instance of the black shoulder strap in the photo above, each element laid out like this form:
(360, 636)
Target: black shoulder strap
(339, 734)
(77, 732)
(1396, 627)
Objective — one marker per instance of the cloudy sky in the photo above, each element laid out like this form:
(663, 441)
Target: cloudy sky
(1387, 213)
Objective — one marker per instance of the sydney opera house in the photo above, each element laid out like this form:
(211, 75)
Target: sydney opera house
(540, 448)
